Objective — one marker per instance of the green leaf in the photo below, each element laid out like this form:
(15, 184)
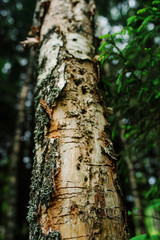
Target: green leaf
(129, 213)
(153, 63)
(102, 55)
(115, 34)
(102, 46)
(147, 49)
(144, 23)
(148, 100)
(140, 237)
(123, 31)
(158, 55)
(155, 205)
(132, 19)
(146, 237)
(156, 2)
(119, 78)
(154, 9)
(140, 27)
(105, 36)
(157, 96)
(113, 132)
(147, 19)
(130, 80)
(127, 135)
(119, 88)
(118, 40)
(156, 81)
(140, 11)
(140, 92)
(155, 237)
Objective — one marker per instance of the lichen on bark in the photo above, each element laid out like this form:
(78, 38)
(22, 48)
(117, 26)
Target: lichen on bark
(46, 150)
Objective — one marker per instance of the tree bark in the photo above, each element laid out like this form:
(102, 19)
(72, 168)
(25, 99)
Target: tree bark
(74, 191)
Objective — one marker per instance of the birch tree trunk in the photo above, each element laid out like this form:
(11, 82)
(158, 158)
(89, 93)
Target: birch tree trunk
(74, 190)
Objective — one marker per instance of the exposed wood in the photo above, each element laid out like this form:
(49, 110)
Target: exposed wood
(75, 192)
(86, 201)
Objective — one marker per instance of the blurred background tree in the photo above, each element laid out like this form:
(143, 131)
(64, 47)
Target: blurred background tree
(130, 73)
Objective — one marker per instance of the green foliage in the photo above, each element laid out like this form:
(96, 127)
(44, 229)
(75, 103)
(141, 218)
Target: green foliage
(146, 237)
(133, 89)
(137, 65)
(154, 204)
(140, 237)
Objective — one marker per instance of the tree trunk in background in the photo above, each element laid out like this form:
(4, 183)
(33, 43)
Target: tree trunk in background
(74, 190)
(139, 216)
(11, 216)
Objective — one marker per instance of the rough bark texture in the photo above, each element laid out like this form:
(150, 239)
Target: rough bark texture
(74, 192)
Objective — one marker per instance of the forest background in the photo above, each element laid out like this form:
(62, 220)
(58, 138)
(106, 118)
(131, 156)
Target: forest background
(130, 62)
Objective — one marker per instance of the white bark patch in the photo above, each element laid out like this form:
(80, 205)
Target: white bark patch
(79, 46)
(62, 78)
(49, 53)
(79, 11)
(38, 153)
(59, 13)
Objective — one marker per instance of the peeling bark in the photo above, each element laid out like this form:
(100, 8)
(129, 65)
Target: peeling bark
(74, 192)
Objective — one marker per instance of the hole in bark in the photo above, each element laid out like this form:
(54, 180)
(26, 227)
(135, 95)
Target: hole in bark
(79, 51)
(78, 166)
(101, 102)
(74, 206)
(72, 75)
(81, 71)
(83, 90)
(91, 150)
(90, 174)
(75, 3)
(85, 179)
(74, 39)
(80, 158)
(54, 47)
(80, 212)
(77, 81)
(83, 111)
